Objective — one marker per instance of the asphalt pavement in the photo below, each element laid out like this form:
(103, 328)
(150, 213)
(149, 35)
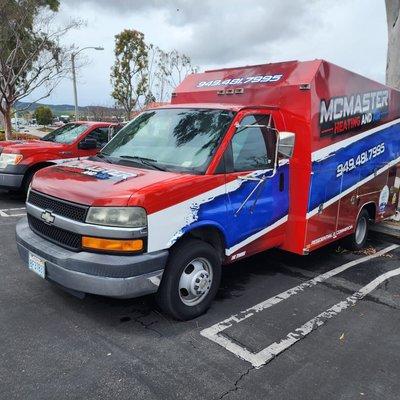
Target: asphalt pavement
(325, 326)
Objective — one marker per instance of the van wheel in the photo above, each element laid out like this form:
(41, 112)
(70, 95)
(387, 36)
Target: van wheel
(357, 240)
(190, 281)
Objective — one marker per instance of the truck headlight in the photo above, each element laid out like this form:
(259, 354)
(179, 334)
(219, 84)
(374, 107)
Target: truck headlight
(10, 159)
(125, 217)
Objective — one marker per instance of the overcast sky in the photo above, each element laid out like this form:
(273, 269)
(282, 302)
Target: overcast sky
(225, 33)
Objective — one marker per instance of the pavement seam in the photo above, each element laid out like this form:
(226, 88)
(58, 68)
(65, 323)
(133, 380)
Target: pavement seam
(236, 386)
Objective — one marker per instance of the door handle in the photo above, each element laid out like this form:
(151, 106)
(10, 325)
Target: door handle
(281, 182)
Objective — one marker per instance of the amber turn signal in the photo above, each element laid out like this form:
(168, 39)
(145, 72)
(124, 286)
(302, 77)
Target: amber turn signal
(122, 245)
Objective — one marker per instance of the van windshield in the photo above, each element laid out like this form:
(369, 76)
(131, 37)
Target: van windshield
(66, 134)
(170, 139)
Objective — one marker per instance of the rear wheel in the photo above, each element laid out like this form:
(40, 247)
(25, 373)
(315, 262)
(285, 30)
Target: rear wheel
(357, 240)
(190, 280)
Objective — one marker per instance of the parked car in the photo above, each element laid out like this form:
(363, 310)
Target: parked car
(292, 155)
(21, 159)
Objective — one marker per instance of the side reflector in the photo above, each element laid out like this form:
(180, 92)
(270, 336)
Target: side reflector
(94, 243)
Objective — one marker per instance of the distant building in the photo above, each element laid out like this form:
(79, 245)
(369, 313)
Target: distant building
(64, 118)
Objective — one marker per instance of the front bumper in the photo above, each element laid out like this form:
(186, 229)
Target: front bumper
(12, 176)
(10, 181)
(102, 274)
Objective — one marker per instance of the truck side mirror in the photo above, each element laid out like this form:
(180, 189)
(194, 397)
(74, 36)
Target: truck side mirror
(286, 144)
(88, 144)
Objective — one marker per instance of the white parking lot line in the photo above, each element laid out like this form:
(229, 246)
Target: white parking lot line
(264, 356)
(13, 212)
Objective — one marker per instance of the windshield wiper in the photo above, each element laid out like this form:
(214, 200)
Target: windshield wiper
(150, 162)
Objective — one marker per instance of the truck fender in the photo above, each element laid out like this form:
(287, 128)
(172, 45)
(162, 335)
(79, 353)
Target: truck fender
(203, 230)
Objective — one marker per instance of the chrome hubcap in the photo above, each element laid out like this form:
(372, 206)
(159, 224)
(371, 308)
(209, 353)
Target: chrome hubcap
(361, 230)
(195, 281)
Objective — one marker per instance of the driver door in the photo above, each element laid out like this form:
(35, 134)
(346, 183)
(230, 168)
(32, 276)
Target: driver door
(257, 191)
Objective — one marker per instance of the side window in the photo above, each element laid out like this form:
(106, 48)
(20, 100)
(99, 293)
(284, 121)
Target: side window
(253, 144)
(101, 135)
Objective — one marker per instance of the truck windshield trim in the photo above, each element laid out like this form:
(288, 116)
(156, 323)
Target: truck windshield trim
(174, 139)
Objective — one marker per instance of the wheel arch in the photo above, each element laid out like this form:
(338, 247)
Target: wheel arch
(207, 231)
(34, 168)
(371, 209)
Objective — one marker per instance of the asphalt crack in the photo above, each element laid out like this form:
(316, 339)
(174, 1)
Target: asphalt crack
(236, 386)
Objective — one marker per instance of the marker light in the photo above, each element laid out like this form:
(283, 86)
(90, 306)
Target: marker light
(122, 245)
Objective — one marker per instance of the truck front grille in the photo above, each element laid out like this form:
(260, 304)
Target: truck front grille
(66, 209)
(70, 240)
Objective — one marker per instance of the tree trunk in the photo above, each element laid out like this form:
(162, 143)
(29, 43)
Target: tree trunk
(7, 122)
(393, 53)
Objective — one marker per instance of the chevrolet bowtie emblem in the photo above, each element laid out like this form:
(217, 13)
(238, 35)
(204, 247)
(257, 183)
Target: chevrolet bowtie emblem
(48, 217)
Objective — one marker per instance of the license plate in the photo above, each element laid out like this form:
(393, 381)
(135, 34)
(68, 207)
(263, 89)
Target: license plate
(37, 265)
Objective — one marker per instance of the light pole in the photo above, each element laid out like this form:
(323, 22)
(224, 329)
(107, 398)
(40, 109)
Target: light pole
(73, 55)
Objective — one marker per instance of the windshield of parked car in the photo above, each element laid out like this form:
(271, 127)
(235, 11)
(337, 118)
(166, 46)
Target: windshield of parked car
(66, 134)
(170, 139)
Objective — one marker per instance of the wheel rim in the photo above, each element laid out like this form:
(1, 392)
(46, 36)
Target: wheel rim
(195, 281)
(361, 230)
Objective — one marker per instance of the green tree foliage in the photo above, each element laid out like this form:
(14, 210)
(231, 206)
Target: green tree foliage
(43, 115)
(128, 75)
(30, 53)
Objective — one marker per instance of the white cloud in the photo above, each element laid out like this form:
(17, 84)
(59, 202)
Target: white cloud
(227, 33)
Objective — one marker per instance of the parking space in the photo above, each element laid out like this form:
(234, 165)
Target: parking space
(282, 327)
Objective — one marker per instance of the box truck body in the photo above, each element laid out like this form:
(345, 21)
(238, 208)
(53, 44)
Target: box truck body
(217, 169)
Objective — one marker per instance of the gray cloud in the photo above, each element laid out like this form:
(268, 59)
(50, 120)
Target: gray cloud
(223, 33)
(224, 30)
(233, 31)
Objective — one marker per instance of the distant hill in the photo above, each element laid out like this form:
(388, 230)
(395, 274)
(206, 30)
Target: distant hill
(57, 109)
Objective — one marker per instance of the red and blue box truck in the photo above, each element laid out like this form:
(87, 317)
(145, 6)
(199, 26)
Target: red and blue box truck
(292, 155)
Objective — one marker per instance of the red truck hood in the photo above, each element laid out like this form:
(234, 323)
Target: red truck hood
(99, 184)
(28, 146)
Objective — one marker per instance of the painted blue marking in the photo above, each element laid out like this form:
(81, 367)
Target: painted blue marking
(325, 182)
(267, 205)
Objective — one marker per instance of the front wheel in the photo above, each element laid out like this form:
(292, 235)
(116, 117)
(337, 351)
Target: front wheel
(27, 180)
(357, 240)
(190, 280)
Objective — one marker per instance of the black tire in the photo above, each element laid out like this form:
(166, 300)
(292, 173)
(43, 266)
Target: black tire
(27, 180)
(169, 296)
(357, 240)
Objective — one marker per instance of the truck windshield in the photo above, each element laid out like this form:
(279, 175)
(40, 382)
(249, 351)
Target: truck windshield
(170, 139)
(66, 134)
